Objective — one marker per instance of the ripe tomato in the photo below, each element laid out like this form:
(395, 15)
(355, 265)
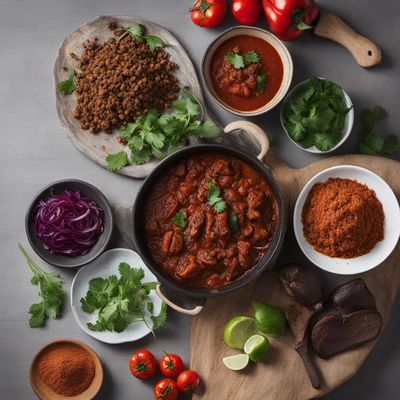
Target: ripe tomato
(246, 12)
(171, 365)
(166, 389)
(143, 364)
(208, 13)
(188, 381)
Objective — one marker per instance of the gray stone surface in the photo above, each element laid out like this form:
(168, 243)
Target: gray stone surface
(35, 151)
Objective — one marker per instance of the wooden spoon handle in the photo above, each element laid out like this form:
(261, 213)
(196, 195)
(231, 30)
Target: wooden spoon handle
(365, 52)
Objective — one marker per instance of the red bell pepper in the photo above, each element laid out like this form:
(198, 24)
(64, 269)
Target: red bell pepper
(289, 18)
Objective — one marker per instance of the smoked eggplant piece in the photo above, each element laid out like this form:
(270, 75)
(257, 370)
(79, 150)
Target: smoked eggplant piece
(335, 333)
(353, 296)
(303, 284)
(298, 318)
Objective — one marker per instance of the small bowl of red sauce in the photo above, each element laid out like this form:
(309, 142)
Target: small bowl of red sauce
(247, 70)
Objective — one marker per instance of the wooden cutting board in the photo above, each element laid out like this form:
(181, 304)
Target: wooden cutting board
(282, 376)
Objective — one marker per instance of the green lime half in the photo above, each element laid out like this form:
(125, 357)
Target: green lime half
(270, 319)
(238, 330)
(257, 347)
(236, 362)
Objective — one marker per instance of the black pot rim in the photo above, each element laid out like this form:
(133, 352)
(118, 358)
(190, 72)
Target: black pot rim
(266, 262)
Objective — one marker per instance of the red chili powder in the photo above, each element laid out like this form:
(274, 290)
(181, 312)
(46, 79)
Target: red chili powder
(67, 369)
(342, 218)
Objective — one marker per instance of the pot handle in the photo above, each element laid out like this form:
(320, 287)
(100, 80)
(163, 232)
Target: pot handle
(253, 130)
(188, 311)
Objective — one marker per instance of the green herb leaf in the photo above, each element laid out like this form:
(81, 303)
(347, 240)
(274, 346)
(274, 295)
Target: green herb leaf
(315, 114)
(251, 57)
(214, 197)
(261, 82)
(150, 307)
(117, 161)
(161, 319)
(50, 290)
(158, 136)
(117, 302)
(137, 31)
(154, 42)
(374, 144)
(235, 59)
(233, 222)
(69, 85)
(180, 219)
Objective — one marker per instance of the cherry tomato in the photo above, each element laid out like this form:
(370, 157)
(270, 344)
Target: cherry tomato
(166, 389)
(208, 13)
(143, 364)
(188, 381)
(246, 12)
(171, 365)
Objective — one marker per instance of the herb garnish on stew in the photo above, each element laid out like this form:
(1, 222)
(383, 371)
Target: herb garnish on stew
(239, 61)
(316, 114)
(214, 198)
(180, 219)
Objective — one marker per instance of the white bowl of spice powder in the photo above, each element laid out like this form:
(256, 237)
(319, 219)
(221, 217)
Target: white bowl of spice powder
(66, 369)
(346, 220)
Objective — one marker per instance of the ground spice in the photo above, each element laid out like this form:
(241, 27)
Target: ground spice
(342, 218)
(118, 81)
(67, 369)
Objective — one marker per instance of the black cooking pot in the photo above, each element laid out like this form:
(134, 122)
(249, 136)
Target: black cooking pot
(176, 294)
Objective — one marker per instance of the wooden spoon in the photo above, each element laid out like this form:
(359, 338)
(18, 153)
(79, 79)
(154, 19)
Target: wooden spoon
(365, 52)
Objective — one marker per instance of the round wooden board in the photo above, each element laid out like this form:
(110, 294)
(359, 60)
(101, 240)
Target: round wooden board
(282, 376)
(99, 145)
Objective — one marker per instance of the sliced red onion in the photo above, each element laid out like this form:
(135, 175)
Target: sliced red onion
(68, 224)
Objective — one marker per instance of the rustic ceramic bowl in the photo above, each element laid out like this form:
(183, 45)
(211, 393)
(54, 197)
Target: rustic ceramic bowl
(391, 209)
(101, 244)
(348, 124)
(262, 34)
(44, 392)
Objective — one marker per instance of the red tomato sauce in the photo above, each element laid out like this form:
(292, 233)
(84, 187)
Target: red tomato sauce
(237, 87)
(211, 250)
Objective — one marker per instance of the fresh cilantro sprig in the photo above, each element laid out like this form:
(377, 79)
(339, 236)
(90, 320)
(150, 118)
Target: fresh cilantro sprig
(214, 198)
(372, 143)
(117, 161)
(118, 302)
(240, 60)
(137, 31)
(316, 114)
(50, 290)
(69, 85)
(156, 135)
(180, 219)
(261, 82)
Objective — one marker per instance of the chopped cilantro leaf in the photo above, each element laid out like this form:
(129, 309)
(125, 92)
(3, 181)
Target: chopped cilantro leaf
(235, 59)
(261, 82)
(180, 219)
(136, 31)
(117, 161)
(251, 57)
(69, 85)
(214, 198)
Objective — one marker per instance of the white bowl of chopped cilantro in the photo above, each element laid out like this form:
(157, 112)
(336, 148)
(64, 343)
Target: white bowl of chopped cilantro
(317, 115)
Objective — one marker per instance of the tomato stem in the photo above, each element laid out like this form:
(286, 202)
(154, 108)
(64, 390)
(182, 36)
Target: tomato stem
(202, 7)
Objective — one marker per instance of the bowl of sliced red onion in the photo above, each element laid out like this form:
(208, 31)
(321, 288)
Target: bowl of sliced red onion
(69, 223)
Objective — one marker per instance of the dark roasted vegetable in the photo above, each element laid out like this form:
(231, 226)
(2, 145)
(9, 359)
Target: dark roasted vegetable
(353, 296)
(303, 284)
(335, 333)
(298, 318)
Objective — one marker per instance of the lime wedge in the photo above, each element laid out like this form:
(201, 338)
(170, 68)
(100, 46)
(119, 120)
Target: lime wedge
(270, 319)
(257, 347)
(236, 362)
(238, 330)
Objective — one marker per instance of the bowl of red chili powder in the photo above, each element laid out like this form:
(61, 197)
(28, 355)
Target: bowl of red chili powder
(66, 369)
(346, 220)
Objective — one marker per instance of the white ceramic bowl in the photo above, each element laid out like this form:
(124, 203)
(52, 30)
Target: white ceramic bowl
(348, 124)
(104, 266)
(391, 226)
(262, 34)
